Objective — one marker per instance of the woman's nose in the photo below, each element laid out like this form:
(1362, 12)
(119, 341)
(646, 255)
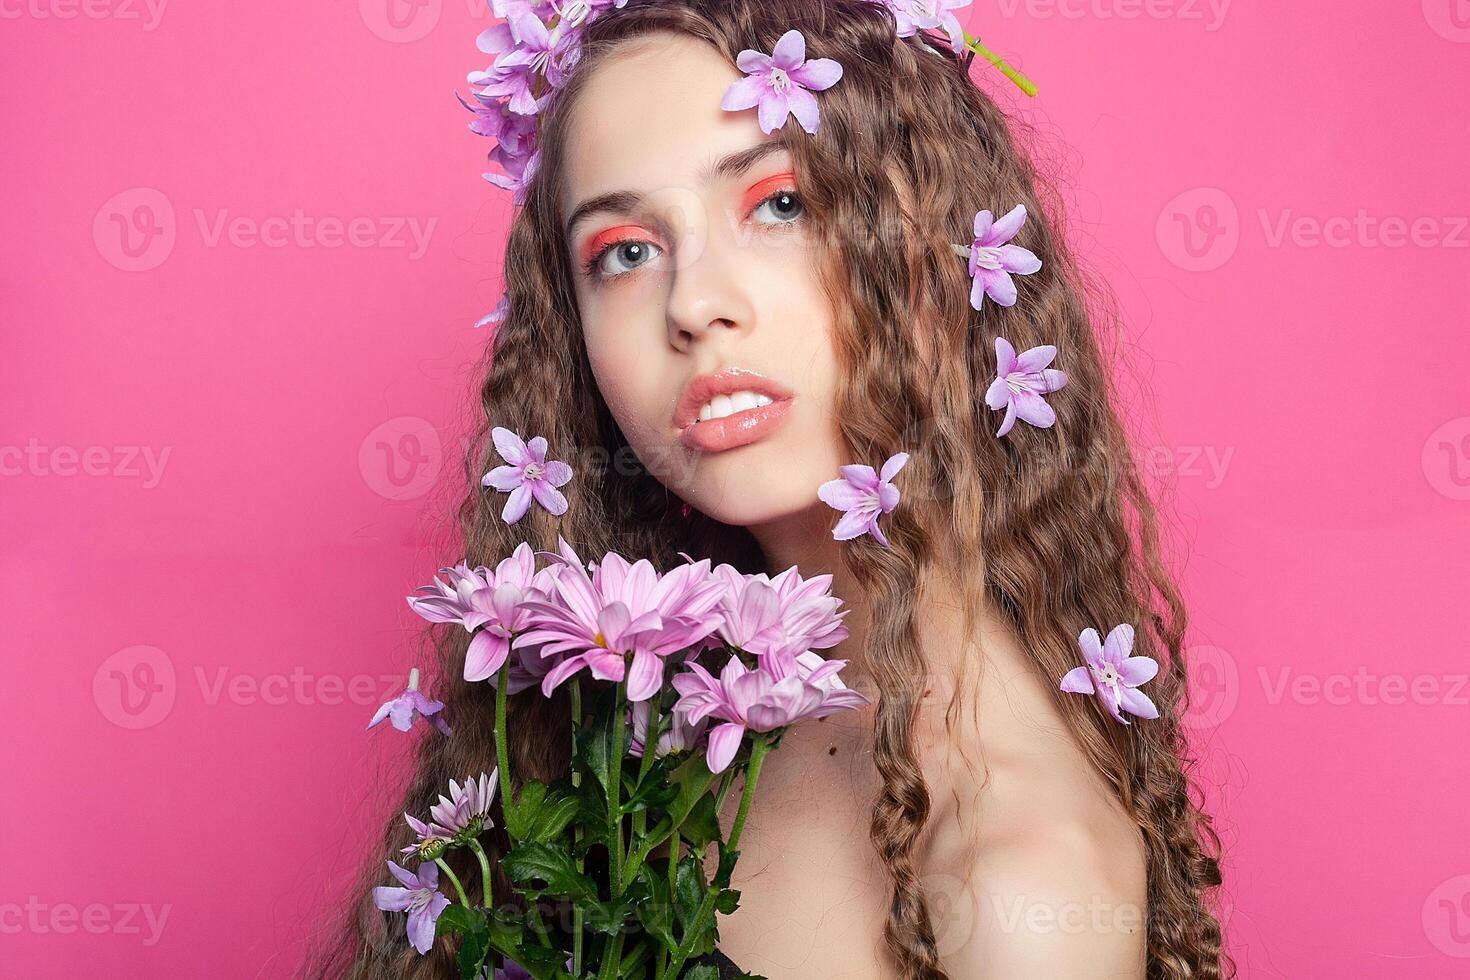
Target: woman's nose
(711, 286)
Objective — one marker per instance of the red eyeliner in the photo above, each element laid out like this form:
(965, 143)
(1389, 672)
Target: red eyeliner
(764, 189)
(609, 236)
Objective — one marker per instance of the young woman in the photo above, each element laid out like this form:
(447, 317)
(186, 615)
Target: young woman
(976, 820)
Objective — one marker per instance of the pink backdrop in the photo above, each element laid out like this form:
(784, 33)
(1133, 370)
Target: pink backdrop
(227, 435)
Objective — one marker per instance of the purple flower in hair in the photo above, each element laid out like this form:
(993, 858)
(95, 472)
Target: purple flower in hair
(497, 315)
(781, 83)
(1112, 675)
(916, 15)
(864, 495)
(527, 475)
(419, 897)
(409, 707)
(992, 260)
(1020, 383)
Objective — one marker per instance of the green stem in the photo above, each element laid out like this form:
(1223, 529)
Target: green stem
(484, 871)
(576, 830)
(650, 747)
(502, 754)
(1022, 82)
(707, 904)
(614, 788)
(454, 879)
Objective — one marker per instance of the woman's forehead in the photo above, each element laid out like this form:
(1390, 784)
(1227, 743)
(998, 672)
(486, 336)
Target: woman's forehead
(650, 117)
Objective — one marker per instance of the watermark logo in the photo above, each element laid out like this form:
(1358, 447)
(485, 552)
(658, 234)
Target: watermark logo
(146, 12)
(400, 21)
(135, 687)
(1446, 459)
(135, 229)
(401, 458)
(1210, 13)
(1450, 19)
(1214, 687)
(95, 918)
(1199, 230)
(1446, 917)
(123, 462)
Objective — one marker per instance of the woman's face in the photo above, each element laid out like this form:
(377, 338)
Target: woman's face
(697, 286)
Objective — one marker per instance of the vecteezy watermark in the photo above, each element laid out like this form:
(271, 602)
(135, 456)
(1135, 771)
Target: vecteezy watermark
(1206, 463)
(400, 21)
(1021, 913)
(147, 12)
(401, 458)
(135, 230)
(1363, 687)
(135, 687)
(1199, 230)
(1450, 19)
(144, 463)
(1210, 13)
(299, 687)
(96, 918)
(1363, 230)
(1214, 687)
(1446, 459)
(1446, 917)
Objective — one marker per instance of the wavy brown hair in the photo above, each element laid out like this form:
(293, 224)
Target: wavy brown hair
(1058, 519)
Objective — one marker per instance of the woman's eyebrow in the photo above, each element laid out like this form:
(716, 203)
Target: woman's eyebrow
(624, 202)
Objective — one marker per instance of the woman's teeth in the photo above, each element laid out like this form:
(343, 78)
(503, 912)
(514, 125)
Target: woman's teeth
(739, 401)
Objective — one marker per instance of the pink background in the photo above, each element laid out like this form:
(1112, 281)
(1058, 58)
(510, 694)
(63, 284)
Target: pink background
(1310, 420)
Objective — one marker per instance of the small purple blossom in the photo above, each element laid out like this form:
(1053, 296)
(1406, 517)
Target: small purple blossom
(526, 51)
(992, 260)
(527, 475)
(419, 897)
(410, 706)
(863, 494)
(484, 600)
(465, 805)
(781, 691)
(497, 315)
(1020, 382)
(1112, 675)
(781, 83)
(915, 15)
(787, 614)
(676, 732)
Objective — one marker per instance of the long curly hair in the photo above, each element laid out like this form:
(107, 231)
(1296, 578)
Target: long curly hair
(1057, 522)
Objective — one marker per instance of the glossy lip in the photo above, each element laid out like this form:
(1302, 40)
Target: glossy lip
(738, 428)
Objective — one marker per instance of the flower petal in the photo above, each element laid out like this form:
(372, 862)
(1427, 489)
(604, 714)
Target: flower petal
(818, 74)
(724, 742)
(510, 446)
(1078, 680)
(1006, 227)
(516, 504)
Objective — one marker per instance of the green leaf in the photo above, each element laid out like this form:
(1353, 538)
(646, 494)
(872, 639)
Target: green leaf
(594, 745)
(703, 971)
(518, 815)
(458, 919)
(557, 810)
(657, 913)
(552, 863)
(689, 889)
(702, 824)
(727, 901)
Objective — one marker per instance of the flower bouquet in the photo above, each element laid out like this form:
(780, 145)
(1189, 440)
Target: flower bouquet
(658, 741)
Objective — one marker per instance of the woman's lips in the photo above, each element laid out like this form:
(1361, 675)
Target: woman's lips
(736, 429)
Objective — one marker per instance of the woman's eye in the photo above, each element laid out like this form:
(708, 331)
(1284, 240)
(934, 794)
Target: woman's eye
(783, 206)
(621, 257)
